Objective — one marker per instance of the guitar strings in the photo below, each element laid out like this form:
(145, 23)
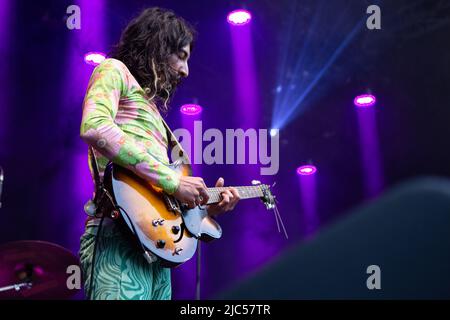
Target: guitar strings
(276, 220)
(278, 217)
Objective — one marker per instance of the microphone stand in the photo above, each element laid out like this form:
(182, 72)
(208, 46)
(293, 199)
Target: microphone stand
(1, 185)
(199, 256)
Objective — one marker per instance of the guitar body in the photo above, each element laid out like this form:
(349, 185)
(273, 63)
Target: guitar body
(166, 228)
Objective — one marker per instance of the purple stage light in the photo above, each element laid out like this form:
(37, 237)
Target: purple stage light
(308, 197)
(94, 58)
(365, 100)
(371, 158)
(306, 170)
(239, 17)
(190, 109)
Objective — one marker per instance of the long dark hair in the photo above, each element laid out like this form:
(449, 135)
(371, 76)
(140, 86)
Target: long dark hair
(145, 46)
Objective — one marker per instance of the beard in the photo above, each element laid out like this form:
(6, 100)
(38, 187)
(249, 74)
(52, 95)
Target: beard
(169, 86)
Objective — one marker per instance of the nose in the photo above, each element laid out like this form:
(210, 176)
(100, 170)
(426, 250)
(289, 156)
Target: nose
(184, 70)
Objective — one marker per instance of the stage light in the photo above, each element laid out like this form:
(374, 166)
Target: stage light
(190, 109)
(308, 198)
(239, 17)
(306, 58)
(371, 157)
(274, 132)
(94, 58)
(365, 100)
(306, 170)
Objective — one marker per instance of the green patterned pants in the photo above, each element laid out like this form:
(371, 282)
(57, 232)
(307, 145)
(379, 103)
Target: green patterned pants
(121, 272)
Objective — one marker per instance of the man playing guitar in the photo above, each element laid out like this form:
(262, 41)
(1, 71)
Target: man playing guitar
(122, 123)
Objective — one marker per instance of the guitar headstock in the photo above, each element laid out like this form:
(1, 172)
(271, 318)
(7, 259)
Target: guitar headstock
(268, 198)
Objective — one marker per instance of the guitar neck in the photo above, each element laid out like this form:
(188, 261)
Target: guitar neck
(244, 192)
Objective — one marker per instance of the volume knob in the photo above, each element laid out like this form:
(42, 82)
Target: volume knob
(157, 222)
(175, 229)
(160, 244)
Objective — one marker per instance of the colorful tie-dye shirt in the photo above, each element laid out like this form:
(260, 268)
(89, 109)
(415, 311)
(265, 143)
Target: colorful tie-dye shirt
(123, 126)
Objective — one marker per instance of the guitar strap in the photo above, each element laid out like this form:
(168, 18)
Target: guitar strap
(94, 167)
(177, 156)
(175, 150)
(101, 204)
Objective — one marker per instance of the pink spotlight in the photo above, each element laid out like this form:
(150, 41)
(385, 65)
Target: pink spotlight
(94, 58)
(306, 170)
(190, 109)
(365, 100)
(239, 17)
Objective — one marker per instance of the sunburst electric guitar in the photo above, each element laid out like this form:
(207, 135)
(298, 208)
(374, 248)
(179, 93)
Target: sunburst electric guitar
(166, 228)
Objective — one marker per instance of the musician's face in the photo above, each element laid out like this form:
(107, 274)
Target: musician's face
(179, 62)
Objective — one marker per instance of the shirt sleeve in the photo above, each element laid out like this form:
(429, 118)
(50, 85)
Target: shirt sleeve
(98, 129)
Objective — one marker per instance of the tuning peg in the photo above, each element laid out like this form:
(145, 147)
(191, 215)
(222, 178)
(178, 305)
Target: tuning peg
(256, 182)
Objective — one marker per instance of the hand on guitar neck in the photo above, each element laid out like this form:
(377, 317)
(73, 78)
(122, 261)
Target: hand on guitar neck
(230, 198)
(193, 192)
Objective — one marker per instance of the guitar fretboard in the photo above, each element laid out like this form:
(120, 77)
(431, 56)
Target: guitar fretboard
(244, 192)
